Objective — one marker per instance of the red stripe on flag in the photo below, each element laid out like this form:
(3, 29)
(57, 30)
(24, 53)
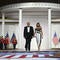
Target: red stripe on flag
(9, 56)
(23, 56)
(46, 55)
(35, 56)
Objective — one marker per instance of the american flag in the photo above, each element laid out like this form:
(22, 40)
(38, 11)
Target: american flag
(7, 35)
(13, 36)
(7, 40)
(55, 39)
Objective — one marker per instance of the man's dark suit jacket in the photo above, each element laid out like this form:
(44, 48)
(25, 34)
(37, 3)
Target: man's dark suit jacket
(28, 35)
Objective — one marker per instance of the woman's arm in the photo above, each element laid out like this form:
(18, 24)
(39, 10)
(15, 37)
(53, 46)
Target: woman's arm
(41, 32)
(35, 32)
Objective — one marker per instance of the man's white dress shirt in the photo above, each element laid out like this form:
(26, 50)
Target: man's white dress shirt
(28, 29)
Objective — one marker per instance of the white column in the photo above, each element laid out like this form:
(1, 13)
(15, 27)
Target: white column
(3, 17)
(20, 29)
(49, 25)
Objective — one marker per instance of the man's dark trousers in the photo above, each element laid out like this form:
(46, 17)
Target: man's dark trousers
(14, 46)
(27, 45)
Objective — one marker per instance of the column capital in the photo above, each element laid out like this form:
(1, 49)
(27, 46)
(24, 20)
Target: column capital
(3, 16)
(20, 8)
(49, 9)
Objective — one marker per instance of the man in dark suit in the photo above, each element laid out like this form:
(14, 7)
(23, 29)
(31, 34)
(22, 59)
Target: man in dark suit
(28, 34)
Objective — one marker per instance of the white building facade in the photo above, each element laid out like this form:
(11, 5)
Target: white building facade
(14, 18)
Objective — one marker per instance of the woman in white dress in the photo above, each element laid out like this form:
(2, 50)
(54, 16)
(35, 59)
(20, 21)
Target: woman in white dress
(38, 35)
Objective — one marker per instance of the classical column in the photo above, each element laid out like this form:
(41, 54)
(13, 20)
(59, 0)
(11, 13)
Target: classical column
(3, 18)
(20, 28)
(49, 26)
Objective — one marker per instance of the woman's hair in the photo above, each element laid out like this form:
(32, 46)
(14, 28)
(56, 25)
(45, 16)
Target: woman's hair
(38, 24)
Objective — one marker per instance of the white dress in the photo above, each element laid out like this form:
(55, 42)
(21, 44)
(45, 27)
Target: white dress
(38, 36)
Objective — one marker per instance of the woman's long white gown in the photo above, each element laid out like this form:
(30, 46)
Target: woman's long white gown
(38, 37)
(36, 41)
